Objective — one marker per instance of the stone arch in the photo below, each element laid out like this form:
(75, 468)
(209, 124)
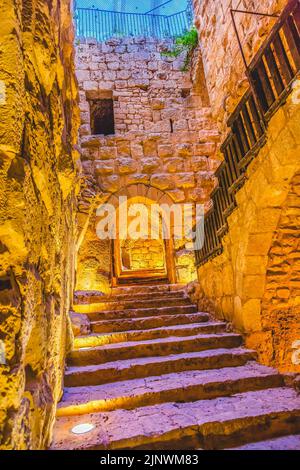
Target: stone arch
(140, 190)
(92, 276)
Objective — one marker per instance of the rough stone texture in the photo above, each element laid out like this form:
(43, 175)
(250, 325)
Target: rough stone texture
(223, 65)
(187, 425)
(280, 443)
(165, 139)
(152, 251)
(38, 129)
(255, 282)
(146, 98)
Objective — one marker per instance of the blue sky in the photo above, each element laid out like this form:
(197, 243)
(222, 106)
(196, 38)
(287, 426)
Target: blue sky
(138, 6)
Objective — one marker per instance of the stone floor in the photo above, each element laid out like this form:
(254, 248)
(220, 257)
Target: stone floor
(154, 373)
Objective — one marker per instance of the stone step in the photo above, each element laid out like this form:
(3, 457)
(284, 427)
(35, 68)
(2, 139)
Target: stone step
(147, 366)
(141, 323)
(145, 288)
(181, 387)
(208, 424)
(140, 335)
(291, 442)
(141, 312)
(84, 297)
(93, 309)
(153, 347)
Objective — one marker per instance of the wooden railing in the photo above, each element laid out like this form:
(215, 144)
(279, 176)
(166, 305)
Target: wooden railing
(270, 74)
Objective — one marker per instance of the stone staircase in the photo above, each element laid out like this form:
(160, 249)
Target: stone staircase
(154, 373)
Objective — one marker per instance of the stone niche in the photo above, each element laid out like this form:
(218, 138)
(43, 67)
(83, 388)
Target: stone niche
(38, 185)
(101, 112)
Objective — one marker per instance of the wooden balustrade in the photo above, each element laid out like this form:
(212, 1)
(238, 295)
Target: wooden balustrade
(271, 74)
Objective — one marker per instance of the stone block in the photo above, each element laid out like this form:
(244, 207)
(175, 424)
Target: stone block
(105, 167)
(185, 180)
(199, 164)
(184, 150)
(106, 153)
(174, 165)
(162, 181)
(259, 243)
(150, 148)
(205, 149)
(150, 165)
(109, 183)
(251, 312)
(126, 165)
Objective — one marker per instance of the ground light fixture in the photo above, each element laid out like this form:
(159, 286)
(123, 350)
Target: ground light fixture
(83, 428)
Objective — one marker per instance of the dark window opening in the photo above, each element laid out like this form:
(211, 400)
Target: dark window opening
(171, 126)
(102, 116)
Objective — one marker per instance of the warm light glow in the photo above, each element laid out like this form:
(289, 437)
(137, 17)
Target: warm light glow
(96, 406)
(82, 428)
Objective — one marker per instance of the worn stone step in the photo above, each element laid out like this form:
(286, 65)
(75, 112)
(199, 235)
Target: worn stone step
(84, 297)
(146, 366)
(153, 347)
(130, 306)
(140, 335)
(146, 288)
(141, 323)
(141, 312)
(291, 442)
(182, 386)
(208, 424)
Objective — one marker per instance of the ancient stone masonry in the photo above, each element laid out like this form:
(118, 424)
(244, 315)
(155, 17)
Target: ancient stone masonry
(164, 139)
(281, 300)
(254, 283)
(164, 136)
(38, 184)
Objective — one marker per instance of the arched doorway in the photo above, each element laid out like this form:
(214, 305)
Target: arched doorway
(147, 256)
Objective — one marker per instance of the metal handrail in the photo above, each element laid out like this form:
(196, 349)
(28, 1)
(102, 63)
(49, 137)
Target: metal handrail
(105, 24)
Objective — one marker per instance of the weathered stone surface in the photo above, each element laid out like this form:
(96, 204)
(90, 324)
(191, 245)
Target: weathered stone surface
(255, 282)
(224, 68)
(184, 386)
(160, 126)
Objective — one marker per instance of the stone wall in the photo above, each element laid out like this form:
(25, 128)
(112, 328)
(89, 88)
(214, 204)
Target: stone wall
(223, 65)
(149, 91)
(38, 130)
(255, 282)
(165, 138)
(143, 254)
